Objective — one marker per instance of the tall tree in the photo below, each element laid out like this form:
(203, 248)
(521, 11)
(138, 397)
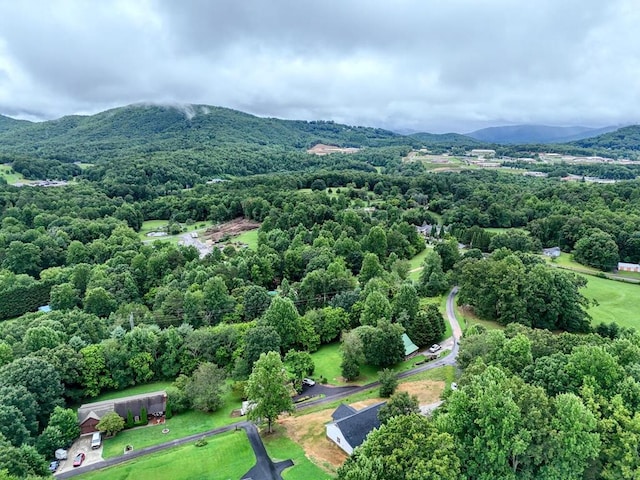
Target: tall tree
(597, 249)
(283, 316)
(206, 387)
(267, 389)
(407, 447)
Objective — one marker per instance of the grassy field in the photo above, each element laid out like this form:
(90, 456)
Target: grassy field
(250, 238)
(566, 260)
(616, 301)
(226, 456)
(467, 319)
(11, 178)
(280, 447)
(328, 358)
(179, 426)
(84, 166)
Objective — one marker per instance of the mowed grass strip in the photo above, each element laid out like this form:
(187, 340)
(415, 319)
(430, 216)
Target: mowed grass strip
(226, 457)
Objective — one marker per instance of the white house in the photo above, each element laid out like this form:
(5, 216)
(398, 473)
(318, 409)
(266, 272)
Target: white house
(350, 426)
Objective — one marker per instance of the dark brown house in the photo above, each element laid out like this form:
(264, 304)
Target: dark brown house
(90, 414)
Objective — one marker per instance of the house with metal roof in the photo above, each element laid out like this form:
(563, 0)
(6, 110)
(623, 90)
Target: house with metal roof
(409, 347)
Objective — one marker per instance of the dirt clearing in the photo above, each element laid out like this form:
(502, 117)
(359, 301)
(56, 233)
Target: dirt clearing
(230, 229)
(309, 431)
(322, 149)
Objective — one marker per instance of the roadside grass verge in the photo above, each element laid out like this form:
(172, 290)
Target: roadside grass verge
(444, 374)
(226, 456)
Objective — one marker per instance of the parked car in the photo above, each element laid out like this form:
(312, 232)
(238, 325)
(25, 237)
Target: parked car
(53, 466)
(434, 348)
(308, 382)
(96, 440)
(79, 459)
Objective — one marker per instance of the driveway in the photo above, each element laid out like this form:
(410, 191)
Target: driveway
(82, 444)
(328, 391)
(264, 469)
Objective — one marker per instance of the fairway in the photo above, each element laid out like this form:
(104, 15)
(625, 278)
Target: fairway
(226, 456)
(617, 301)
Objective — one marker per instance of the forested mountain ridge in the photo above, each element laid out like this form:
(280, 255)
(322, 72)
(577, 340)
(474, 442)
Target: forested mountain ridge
(9, 124)
(626, 138)
(139, 129)
(143, 129)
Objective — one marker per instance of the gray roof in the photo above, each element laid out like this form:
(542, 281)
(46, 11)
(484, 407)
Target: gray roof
(153, 402)
(356, 427)
(343, 411)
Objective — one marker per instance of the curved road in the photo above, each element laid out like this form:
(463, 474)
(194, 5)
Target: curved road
(264, 463)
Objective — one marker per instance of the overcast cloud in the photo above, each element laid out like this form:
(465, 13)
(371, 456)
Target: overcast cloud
(429, 65)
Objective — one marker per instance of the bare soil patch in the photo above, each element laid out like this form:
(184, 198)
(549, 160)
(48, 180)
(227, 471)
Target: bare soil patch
(322, 149)
(230, 229)
(309, 431)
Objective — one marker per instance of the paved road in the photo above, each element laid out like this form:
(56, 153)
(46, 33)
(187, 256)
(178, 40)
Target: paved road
(449, 360)
(265, 469)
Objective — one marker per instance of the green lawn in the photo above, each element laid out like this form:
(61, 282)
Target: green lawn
(11, 178)
(328, 358)
(616, 301)
(179, 426)
(84, 166)
(250, 238)
(566, 260)
(226, 457)
(467, 319)
(280, 447)
(416, 261)
(159, 225)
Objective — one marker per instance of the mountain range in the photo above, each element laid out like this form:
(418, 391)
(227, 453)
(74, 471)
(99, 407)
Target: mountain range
(143, 130)
(524, 134)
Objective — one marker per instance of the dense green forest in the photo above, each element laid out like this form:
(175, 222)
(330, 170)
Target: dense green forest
(332, 262)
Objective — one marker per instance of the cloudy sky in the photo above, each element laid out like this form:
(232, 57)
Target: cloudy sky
(429, 65)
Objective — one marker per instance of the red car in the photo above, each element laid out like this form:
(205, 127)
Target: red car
(79, 459)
